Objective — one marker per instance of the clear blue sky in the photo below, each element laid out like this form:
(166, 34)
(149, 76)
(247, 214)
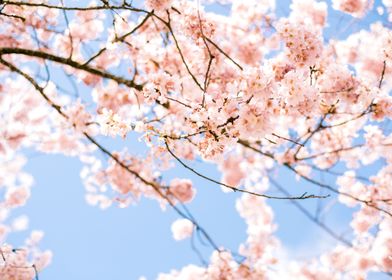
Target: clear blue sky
(117, 244)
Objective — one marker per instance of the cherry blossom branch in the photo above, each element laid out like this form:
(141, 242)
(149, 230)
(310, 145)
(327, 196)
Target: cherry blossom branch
(287, 139)
(168, 25)
(338, 91)
(368, 203)
(197, 251)
(123, 37)
(246, 144)
(10, 16)
(72, 63)
(178, 101)
(321, 126)
(303, 196)
(336, 151)
(203, 128)
(368, 110)
(149, 14)
(36, 86)
(311, 133)
(154, 185)
(207, 76)
(224, 53)
(211, 57)
(105, 151)
(92, 8)
(101, 51)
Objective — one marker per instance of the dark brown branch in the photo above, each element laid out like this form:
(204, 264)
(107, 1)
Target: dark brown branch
(123, 37)
(249, 146)
(13, 16)
(101, 51)
(70, 62)
(92, 8)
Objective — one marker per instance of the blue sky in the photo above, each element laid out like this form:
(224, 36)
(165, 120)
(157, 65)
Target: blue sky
(116, 244)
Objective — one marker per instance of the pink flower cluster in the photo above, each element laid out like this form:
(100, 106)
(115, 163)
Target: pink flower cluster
(158, 5)
(309, 11)
(23, 263)
(302, 41)
(356, 8)
(182, 190)
(182, 228)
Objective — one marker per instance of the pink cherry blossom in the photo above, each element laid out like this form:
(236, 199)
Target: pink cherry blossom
(182, 190)
(158, 5)
(181, 229)
(356, 8)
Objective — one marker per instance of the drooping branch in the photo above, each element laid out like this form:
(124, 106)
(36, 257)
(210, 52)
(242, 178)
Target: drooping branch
(235, 189)
(154, 185)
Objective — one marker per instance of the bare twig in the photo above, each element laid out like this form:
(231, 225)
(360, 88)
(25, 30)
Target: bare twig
(168, 25)
(224, 53)
(303, 196)
(123, 37)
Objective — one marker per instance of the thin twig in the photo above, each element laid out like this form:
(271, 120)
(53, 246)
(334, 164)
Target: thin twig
(303, 196)
(224, 53)
(168, 24)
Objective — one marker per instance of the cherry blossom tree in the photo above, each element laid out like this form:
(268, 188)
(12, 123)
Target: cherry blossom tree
(251, 92)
